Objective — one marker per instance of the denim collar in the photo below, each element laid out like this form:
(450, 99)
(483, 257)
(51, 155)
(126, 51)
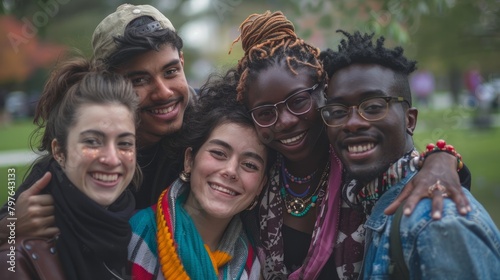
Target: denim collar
(377, 219)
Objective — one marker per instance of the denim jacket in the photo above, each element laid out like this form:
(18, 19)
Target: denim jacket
(455, 247)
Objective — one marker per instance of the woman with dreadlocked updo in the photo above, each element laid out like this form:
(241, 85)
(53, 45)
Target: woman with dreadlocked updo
(282, 83)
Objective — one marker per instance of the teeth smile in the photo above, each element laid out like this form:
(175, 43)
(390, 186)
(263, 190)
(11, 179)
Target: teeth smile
(222, 189)
(105, 177)
(293, 139)
(163, 110)
(360, 148)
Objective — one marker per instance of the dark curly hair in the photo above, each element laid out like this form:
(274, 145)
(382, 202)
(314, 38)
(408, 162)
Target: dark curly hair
(216, 105)
(359, 49)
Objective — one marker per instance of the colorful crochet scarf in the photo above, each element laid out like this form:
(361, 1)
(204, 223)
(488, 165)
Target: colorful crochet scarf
(271, 214)
(154, 253)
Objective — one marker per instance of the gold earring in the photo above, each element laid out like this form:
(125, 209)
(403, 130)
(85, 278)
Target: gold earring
(254, 203)
(185, 176)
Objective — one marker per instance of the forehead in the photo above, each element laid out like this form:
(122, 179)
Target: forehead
(150, 61)
(241, 138)
(104, 117)
(359, 80)
(275, 83)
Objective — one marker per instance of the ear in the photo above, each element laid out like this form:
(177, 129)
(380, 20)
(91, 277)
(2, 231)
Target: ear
(181, 58)
(411, 120)
(57, 152)
(188, 159)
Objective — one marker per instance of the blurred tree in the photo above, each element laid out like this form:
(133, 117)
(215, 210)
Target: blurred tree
(30, 25)
(433, 30)
(22, 53)
(453, 38)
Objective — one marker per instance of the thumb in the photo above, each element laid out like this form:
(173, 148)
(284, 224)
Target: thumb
(391, 209)
(39, 185)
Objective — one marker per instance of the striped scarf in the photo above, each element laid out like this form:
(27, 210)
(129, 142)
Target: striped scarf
(357, 203)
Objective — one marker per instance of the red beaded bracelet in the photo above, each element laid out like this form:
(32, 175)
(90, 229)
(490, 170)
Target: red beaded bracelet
(441, 146)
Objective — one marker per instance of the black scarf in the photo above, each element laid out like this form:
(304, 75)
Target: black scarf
(93, 240)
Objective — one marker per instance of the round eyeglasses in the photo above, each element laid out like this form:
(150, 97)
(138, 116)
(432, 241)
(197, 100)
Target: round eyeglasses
(298, 104)
(372, 109)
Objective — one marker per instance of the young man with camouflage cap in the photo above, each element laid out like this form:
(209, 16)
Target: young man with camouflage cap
(141, 43)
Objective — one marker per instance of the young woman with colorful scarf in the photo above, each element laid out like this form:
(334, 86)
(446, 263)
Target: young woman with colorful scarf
(195, 230)
(87, 122)
(307, 230)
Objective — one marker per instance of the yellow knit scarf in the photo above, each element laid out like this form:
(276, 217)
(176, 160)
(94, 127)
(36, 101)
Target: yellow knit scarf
(171, 265)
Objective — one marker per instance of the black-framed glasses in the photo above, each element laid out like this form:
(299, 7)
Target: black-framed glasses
(298, 104)
(371, 109)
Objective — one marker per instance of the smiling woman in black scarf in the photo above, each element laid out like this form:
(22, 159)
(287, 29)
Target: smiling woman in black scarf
(88, 121)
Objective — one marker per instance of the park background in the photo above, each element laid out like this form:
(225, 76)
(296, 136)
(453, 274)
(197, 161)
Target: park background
(446, 37)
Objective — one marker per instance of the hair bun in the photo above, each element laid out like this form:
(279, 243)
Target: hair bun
(264, 28)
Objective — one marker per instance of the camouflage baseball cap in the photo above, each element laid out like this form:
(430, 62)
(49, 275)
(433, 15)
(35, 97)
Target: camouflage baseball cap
(114, 25)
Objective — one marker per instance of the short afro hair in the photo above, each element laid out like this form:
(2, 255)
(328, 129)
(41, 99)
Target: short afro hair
(359, 49)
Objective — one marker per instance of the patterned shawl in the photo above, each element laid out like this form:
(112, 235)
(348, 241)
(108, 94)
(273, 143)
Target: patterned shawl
(143, 247)
(271, 213)
(357, 203)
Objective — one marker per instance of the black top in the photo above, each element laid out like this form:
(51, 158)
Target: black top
(160, 166)
(295, 254)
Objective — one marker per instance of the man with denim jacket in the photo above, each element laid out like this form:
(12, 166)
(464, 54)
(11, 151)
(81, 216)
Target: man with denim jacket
(370, 123)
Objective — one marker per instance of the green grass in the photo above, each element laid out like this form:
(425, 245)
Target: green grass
(479, 148)
(15, 136)
(6, 174)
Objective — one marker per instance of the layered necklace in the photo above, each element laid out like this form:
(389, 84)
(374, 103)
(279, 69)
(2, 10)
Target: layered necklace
(297, 204)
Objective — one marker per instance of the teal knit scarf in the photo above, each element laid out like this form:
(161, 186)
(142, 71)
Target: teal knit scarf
(191, 248)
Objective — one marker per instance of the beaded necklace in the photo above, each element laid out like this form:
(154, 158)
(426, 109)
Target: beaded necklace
(295, 179)
(298, 180)
(299, 206)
